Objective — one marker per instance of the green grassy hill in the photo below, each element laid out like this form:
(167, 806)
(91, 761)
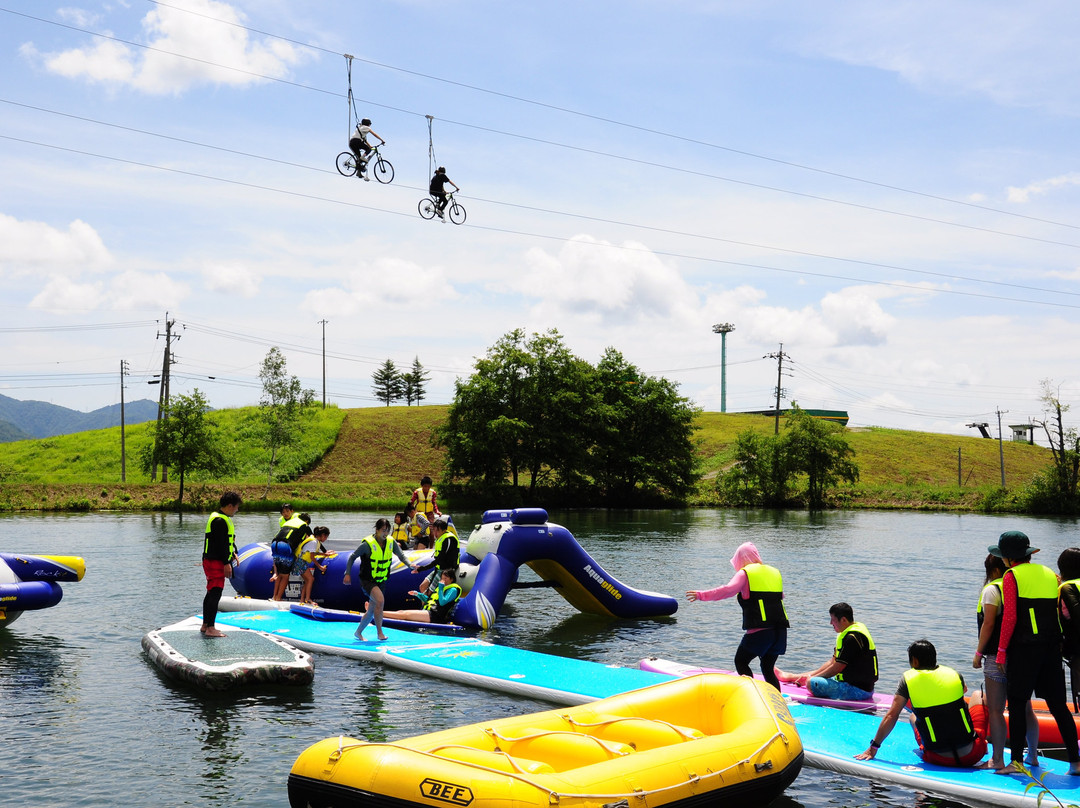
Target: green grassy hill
(374, 457)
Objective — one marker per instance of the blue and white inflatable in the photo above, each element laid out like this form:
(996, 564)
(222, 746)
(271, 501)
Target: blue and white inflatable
(30, 582)
(503, 542)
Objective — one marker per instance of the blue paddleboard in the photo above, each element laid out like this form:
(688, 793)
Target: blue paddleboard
(460, 659)
(831, 738)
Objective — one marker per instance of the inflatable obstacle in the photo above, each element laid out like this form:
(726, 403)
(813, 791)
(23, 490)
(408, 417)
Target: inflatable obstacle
(502, 543)
(29, 582)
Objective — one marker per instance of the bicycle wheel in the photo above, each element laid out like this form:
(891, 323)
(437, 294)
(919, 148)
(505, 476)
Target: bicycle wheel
(456, 212)
(426, 208)
(346, 163)
(384, 172)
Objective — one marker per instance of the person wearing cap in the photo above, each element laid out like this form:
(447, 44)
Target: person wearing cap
(437, 189)
(760, 592)
(948, 733)
(1030, 648)
(446, 551)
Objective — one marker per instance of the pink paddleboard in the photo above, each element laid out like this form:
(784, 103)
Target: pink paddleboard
(801, 694)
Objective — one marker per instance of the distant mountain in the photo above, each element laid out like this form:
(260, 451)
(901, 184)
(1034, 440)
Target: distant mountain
(39, 419)
(10, 432)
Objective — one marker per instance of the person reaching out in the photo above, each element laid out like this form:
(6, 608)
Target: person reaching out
(760, 590)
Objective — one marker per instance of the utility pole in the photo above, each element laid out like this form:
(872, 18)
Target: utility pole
(163, 395)
(323, 363)
(779, 356)
(1001, 448)
(723, 329)
(123, 447)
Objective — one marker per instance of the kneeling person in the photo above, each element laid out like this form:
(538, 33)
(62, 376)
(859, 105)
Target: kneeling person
(944, 727)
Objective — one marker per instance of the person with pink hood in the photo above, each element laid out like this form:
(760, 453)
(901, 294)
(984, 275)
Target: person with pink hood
(760, 591)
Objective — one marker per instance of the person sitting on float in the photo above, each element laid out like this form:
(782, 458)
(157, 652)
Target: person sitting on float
(948, 733)
(438, 605)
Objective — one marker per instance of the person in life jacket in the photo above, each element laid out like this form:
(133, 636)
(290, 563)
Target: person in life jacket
(948, 733)
(1069, 607)
(283, 549)
(760, 592)
(988, 618)
(438, 605)
(852, 670)
(400, 531)
(424, 499)
(1030, 647)
(376, 554)
(419, 527)
(447, 551)
(219, 552)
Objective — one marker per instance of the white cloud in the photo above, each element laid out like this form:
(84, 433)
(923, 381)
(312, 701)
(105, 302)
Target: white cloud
(123, 292)
(196, 33)
(382, 284)
(1041, 187)
(31, 246)
(232, 278)
(597, 278)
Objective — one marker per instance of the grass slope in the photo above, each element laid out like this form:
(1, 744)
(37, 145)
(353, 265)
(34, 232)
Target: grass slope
(375, 456)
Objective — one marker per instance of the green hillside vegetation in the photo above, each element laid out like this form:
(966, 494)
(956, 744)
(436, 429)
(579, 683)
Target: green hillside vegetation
(373, 457)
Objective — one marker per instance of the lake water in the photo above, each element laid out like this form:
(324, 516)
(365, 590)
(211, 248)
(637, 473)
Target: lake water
(87, 721)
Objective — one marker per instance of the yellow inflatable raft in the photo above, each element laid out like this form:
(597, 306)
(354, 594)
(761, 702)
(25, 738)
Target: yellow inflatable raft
(703, 740)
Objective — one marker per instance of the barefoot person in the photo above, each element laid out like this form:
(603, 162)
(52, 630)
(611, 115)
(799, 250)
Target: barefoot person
(988, 615)
(376, 553)
(948, 734)
(852, 670)
(1030, 647)
(219, 552)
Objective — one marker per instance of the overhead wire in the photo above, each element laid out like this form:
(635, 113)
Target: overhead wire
(623, 124)
(760, 186)
(565, 239)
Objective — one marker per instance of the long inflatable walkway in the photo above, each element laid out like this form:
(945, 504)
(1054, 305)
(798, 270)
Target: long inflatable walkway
(490, 562)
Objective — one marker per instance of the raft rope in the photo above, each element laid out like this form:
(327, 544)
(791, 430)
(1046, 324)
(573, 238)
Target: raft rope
(351, 101)
(607, 746)
(683, 731)
(430, 147)
(555, 796)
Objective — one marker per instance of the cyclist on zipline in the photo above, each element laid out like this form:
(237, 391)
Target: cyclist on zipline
(437, 189)
(359, 145)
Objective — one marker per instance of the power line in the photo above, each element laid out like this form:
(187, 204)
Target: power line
(590, 116)
(585, 217)
(612, 121)
(564, 239)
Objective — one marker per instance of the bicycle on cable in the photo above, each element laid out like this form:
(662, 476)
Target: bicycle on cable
(454, 210)
(440, 199)
(349, 165)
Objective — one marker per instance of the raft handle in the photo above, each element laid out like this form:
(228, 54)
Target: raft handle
(760, 767)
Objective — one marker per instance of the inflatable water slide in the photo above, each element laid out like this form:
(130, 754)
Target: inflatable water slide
(30, 582)
(502, 543)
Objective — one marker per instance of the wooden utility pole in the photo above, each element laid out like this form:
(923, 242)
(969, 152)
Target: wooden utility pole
(163, 395)
(123, 447)
(779, 356)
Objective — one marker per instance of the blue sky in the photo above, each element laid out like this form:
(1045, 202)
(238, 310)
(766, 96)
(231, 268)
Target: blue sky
(891, 192)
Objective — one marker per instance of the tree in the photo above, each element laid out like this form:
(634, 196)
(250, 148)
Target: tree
(388, 385)
(819, 450)
(185, 441)
(767, 468)
(643, 433)
(1059, 485)
(534, 408)
(283, 408)
(414, 382)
